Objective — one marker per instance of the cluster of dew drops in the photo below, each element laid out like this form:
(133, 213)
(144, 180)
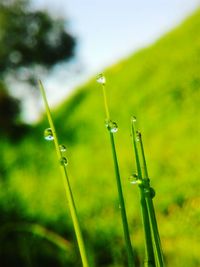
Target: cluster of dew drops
(48, 136)
(110, 125)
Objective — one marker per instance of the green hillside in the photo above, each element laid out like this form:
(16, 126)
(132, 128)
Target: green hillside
(160, 86)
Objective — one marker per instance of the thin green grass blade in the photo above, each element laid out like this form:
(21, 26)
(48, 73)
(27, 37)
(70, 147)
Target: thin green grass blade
(133, 132)
(131, 260)
(122, 205)
(105, 102)
(39, 231)
(149, 253)
(66, 183)
(151, 211)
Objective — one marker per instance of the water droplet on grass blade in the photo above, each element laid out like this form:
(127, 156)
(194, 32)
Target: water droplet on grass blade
(134, 119)
(112, 126)
(134, 182)
(134, 179)
(62, 148)
(101, 79)
(63, 161)
(48, 134)
(152, 192)
(138, 136)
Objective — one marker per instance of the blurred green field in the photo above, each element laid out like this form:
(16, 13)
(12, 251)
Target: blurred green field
(160, 86)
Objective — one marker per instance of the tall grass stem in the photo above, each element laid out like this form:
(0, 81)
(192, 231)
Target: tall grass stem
(130, 254)
(154, 255)
(149, 260)
(122, 205)
(105, 102)
(66, 183)
(152, 216)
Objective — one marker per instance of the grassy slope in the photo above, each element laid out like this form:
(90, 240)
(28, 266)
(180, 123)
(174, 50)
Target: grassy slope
(160, 85)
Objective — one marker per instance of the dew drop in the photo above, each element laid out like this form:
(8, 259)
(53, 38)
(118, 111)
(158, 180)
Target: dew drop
(112, 126)
(62, 148)
(48, 134)
(133, 179)
(101, 79)
(134, 182)
(138, 136)
(134, 119)
(63, 161)
(152, 192)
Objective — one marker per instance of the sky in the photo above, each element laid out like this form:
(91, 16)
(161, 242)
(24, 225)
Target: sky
(107, 31)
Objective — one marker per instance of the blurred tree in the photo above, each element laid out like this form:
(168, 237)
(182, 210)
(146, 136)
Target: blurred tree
(30, 41)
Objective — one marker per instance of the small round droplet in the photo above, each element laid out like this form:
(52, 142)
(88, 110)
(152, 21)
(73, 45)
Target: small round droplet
(112, 126)
(152, 192)
(134, 179)
(48, 134)
(62, 148)
(63, 161)
(101, 79)
(138, 136)
(134, 119)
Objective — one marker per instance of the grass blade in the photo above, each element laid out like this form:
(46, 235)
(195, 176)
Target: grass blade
(66, 183)
(149, 253)
(154, 255)
(112, 127)
(151, 211)
(38, 230)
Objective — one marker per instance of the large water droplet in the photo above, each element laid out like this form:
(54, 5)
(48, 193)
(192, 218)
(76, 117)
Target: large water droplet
(112, 126)
(62, 148)
(101, 79)
(63, 161)
(48, 134)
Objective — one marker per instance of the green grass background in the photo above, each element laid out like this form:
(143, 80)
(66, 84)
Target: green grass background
(160, 86)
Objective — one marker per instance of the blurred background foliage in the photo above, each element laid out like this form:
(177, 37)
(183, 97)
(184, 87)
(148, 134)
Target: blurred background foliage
(160, 85)
(31, 42)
